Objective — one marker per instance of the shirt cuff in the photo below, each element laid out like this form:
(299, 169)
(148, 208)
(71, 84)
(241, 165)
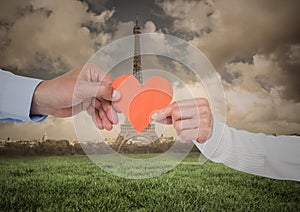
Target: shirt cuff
(17, 96)
(209, 147)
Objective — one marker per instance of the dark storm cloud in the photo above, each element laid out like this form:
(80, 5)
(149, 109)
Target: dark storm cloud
(42, 67)
(126, 11)
(261, 80)
(17, 11)
(247, 59)
(12, 10)
(290, 69)
(230, 76)
(189, 18)
(47, 38)
(255, 27)
(95, 6)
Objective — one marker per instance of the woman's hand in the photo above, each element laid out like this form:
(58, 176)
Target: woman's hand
(191, 118)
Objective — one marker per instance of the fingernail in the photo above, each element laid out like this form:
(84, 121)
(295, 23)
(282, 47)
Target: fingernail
(154, 115)
(116, 95)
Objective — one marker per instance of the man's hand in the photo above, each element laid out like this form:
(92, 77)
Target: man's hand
(192, 119)
(84, 89)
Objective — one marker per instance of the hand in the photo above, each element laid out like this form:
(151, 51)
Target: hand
(84, 89)
(192, 119)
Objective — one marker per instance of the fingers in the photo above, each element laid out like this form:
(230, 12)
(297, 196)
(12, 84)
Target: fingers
(95, 117)
(92, 73)
(96, 83)
(95, 86)
(191, 118)
(193, 129)
(99, 90)
(200, 135)
(99, 118)
(164, 115)
(174, 110)
(167, 120)
(104, 113)
(186, 124)
(106, 106)
(105, 121)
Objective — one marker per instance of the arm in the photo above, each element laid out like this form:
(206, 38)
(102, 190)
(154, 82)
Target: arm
(84, 89)
(275, 157)
(254, 153)
(16, 94)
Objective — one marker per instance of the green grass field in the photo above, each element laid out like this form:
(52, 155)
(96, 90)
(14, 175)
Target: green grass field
(75, 183)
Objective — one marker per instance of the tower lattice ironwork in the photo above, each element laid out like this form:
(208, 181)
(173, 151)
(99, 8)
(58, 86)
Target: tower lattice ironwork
(137, 61)
(127, 131)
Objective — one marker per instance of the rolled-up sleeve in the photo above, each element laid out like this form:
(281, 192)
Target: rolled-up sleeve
(16, 94)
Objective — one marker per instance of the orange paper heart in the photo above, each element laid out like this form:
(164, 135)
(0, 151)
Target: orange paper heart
(139, 102)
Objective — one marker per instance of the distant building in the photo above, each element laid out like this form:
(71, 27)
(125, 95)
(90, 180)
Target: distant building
(44, 138)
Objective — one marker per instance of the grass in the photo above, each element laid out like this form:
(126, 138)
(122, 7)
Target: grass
(74, 183)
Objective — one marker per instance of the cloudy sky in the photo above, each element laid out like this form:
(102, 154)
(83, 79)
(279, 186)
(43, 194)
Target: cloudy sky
(254, 46)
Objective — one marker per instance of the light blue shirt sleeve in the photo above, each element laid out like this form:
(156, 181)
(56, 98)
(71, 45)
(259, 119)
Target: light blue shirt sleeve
(16, 94)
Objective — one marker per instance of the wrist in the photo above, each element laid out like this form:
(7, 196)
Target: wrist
(212, 144)
(39, 105)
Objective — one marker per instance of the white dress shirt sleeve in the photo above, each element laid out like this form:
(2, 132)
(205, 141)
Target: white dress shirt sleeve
(275, 157)
(16, 94)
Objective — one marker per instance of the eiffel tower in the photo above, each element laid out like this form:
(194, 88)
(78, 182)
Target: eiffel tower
(127, 131)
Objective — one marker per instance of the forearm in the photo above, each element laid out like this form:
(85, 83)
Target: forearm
(254, 153)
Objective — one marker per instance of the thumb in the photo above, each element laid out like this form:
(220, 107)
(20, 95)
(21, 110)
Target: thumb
(163, 116)
(100, 91)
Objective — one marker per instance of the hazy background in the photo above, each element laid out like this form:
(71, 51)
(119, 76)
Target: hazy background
(254, 46)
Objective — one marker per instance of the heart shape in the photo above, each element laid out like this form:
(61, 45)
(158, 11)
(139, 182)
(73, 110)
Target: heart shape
(139, 102)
